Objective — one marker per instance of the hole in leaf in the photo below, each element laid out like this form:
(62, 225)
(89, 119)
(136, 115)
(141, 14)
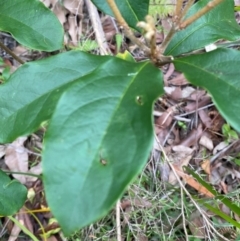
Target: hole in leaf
(139, 100)
(103, 162)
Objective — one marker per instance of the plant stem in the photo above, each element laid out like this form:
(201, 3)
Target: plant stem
(24, 229)
(186, 8)
(200, 13)
(168, 38)
(24, 173)
(11, 53)
(178, 10)
(127, 31)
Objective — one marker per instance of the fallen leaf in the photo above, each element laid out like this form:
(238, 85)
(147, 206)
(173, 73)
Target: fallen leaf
(206, 142)
(192, 182)
(206, 120)
(73, 6)
(179, 80)
(15, 232)
(206, 166)
(183, 149)
(220, 147)
(73, 29)
(34, 170)
(193, 137)
(16, 158)
(60, 12)
(2, 150)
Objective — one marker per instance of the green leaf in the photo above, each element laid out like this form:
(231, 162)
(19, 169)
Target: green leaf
(126, 56)
(232, 206)
(30, 94)
(217, 24)
(98, 139)
(132, 11)
(31, 24)
(13, 195)
(218, 72)
(226, 129)
(221, 214)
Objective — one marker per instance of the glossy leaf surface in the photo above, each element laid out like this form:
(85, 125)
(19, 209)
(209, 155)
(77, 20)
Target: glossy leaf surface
(13, 195)
(98, 140)
(31, 24)
(218, 72)
(217, 24)
(31, 93)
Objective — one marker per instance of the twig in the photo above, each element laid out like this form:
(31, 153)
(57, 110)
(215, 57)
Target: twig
(11, 53)
(167, 39)
(222, 151)
(127, 31)
(178, 10)
(191, 112)
(200, 13)
(98, 30)
(186, 8)
(119, 236)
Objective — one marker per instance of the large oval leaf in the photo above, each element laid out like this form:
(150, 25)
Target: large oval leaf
(98, 139)
(132, 11)
(217, 24)
(31, 24)
(30, 95)
(13, 195)
(218, 72)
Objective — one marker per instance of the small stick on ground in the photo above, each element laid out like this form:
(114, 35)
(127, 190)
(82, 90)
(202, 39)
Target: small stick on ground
(98, 30)
(118, 222)
(11, 53)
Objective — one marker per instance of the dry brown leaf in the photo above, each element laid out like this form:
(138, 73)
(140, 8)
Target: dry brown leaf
(16, 158)
(179, 80)
(183, 149)
(2, 150)
(192, 182)
(47, 3)
(206, 120)
(179, 163)
(73, 29)
(206, 142)
(173, 92)
(220, 147)
(206, 166)
(191, 106)
(165, 119)
(73, 6)
(15, 232)
(60, 12)
(34, 170)
(237, 2)
(24, 219)
(169, 72)
(193, 137)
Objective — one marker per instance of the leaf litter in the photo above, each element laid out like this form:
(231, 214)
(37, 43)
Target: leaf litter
(187, 126)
